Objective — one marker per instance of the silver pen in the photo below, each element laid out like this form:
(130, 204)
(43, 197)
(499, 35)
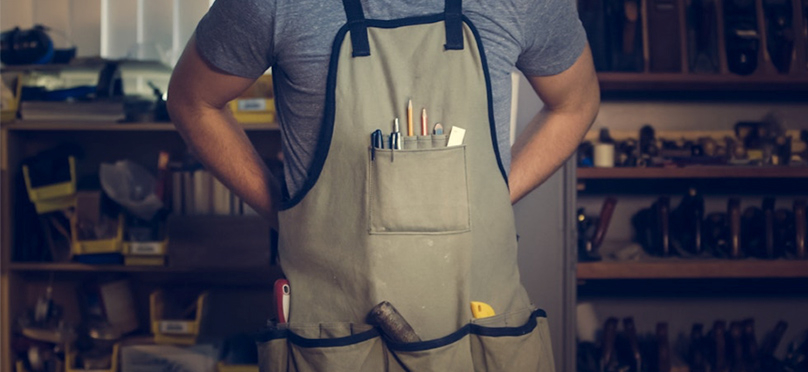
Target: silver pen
(395, 136)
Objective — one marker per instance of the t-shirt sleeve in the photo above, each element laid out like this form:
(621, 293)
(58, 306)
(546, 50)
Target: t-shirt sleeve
(553, 37)
(236, 36)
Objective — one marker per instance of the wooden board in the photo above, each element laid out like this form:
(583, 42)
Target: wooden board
(693, 269)
(705, 172)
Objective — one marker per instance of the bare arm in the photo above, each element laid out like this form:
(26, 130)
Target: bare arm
(571, 102)
(197, 101)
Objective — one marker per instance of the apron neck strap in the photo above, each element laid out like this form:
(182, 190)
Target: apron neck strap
(453, 12)
(454, 24)
(358, 27)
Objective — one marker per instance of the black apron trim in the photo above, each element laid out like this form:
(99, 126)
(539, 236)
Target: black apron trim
(359, 30)
(327, 129)
(491, 121)
(274, 334)
(333, 342)
(473, 329)
(454, 24)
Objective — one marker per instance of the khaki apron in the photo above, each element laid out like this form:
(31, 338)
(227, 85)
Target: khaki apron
(428, 227)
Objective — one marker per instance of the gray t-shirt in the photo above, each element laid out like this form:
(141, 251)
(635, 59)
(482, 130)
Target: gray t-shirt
(294, 37)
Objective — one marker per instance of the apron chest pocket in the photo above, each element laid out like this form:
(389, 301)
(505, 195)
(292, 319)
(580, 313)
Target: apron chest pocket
(419, 191)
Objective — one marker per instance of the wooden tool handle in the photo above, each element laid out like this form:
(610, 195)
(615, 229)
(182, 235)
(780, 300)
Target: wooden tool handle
(768, 221)
(799, 228)
(631, 14)
(719, 362)
(734, 214)
(608, 355)
(663, 225)
(603, 223)
(392, 323)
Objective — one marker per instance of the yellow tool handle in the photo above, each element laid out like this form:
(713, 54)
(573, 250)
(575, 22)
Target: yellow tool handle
(481, 310)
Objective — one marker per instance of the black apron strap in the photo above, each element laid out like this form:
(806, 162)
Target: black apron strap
(358, 28)
(454, 25)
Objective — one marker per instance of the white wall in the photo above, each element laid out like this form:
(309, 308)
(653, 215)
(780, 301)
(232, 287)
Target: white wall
(114, 29)
(542, 222)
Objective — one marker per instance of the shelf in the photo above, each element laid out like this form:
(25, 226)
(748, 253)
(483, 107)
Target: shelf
(706, 172)
(109, 126)
(627, 81)
(79, 267)
(674, 268)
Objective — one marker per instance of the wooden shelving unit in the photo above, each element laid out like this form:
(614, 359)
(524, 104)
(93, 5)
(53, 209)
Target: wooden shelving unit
(26, 125)
(79, 267)
(626, 81)
(102, 142)
(674, 268)
(696, 172)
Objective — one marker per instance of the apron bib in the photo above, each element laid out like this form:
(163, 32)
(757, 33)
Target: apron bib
(427, 227)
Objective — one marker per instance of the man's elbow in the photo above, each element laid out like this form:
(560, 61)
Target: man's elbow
(179, 104)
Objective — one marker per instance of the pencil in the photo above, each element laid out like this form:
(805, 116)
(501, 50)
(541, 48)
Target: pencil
(424, 130)
(409, 119)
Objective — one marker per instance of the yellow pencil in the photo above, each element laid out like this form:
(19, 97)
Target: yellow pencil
(409, 118)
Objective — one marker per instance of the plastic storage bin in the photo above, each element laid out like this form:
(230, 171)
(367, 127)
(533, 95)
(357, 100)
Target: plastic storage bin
(253, 110)
(9, 111)
(79, 247)
(70, 362)
(222, 367)
(55, 196)
(257, 104)
(146, 252)
(175, 331)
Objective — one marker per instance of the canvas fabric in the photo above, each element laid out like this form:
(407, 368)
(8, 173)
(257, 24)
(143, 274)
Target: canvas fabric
(428, 228)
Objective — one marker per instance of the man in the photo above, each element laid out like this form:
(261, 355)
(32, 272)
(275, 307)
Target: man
(238, 40)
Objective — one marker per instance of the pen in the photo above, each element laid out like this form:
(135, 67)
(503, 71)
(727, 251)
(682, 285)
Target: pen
(424, 130)
(395, 137)
(377, 139)
(376, 142)
(409, 119)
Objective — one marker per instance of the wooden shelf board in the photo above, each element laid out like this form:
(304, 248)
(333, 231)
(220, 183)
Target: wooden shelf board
(79, 267)
(108, 126)
(694, 172)
(674, 268)
(621, 81)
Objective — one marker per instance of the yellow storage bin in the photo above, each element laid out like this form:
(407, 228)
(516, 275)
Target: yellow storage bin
(221, 367)
(20, 366)
(55, 196)
(70, 361)
(8, 113)
(175, 331)
(253, 110)
(112, 245)
(257, 104)
(146, 249)
(145, 253)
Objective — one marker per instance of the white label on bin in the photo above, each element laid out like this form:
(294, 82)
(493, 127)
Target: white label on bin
(255, 104)
(145, 248)
(169, 326)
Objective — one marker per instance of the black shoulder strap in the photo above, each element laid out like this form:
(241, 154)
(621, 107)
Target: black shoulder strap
(358, 28)
(453, 12)
(454, 24)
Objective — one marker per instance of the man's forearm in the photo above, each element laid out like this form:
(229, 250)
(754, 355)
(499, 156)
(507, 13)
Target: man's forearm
(198, 94)
(221, 144)
(571, 102)
(543, 147)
